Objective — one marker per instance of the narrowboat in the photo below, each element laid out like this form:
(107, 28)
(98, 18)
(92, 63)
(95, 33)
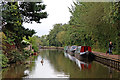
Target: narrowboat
(84, 51)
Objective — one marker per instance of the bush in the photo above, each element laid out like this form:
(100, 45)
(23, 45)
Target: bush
(3, 60)
(16, 56)
(35, 48)
(24, 44)
(27, 53)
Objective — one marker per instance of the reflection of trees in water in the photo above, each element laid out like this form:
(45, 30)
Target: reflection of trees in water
(60, 63)
(14, 71)
(44, 53)
(17, 70)
(110, 72)
(63, 64)
(31, 66)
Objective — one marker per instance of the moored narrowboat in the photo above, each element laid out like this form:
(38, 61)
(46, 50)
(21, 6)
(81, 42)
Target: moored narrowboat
(84, 51)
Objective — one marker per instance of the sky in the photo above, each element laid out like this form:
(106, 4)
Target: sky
(58, 12)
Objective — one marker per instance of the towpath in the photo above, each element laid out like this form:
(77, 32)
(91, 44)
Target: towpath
(107, 55)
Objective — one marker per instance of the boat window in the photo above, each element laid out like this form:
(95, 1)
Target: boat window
(73, 47)
(86, 48)
(77, 49)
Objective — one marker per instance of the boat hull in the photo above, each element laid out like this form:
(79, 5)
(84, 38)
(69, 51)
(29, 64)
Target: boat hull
(84, 58)
(88, 55)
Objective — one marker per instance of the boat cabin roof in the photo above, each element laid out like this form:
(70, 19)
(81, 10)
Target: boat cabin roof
(84, 48)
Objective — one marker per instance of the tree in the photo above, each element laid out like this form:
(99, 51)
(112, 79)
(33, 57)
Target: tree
(15, 14)
(115, 20)
(52, 37)
(60, 36)
(94, 20)
(91, 24)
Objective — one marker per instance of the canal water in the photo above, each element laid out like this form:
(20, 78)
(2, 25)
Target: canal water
(57, 64)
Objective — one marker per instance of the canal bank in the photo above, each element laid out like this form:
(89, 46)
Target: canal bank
(109, 60)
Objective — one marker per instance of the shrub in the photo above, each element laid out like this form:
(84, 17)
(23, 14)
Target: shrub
(35, 48)
(16, 56)
(26, 53)
(3, 60)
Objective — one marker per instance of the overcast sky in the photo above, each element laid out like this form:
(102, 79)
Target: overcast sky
(58, 12)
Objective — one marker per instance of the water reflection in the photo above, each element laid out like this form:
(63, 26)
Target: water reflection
(110, 72)
(57, 64)
(81, 64)
(26, 72)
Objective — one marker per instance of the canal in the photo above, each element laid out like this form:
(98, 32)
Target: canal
(57, 64)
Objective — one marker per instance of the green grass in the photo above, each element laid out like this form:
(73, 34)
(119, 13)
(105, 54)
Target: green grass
(115, 53)
(99, 50)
